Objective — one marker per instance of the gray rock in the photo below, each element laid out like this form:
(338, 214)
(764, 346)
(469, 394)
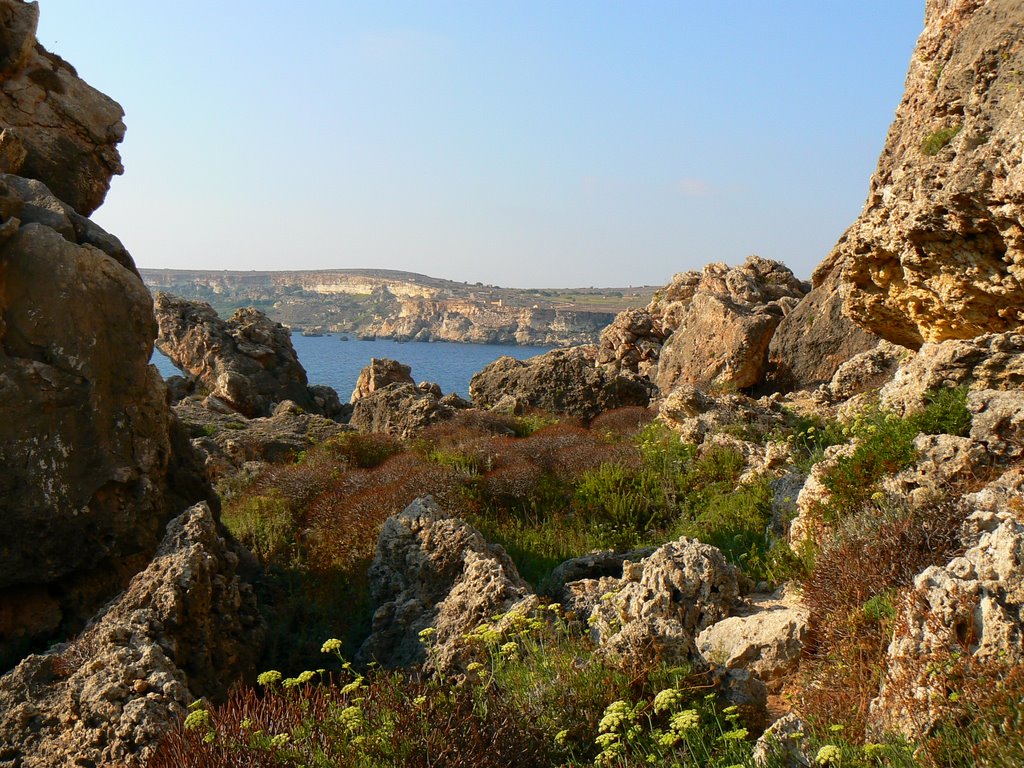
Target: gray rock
(997, 422)
(992, 361)
(398, 409)
(561, 381)
(432, 571)
(186, 627)
(663, 601)
(247, 361)
(378, 374)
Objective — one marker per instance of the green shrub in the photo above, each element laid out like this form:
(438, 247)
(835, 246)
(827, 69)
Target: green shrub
(934, 142)
(266, 526)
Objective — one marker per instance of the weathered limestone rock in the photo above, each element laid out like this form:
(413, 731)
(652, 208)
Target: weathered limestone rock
(378, 374)
(632, 342)
(696, 415)
(816, 337)
(398, 409)
(786, 743)
(438, 572)
(943, 461)
(973, 605)
(722, 335)
(808, 525)
(992, 361)
(186, 627)
(561, 381)
(663, 601)
(765, 638)
(55, 127)
(864, 371)
(246, 362)
(226, 442)
(938, 252)
(94, 464)
(997, 422)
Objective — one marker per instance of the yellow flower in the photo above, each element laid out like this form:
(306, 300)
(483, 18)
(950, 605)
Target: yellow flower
(269, 678)
(331, 646)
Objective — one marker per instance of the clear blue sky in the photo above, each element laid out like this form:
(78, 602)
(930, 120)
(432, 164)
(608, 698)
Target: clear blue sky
(516, 143)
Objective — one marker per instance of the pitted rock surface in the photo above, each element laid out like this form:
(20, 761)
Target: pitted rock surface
(938, 251)
(54, 127)
(186, 627)
(432, 571)
(246, 362)
(663, 601)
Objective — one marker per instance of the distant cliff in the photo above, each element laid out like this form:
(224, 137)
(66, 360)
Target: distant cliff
(405, 305)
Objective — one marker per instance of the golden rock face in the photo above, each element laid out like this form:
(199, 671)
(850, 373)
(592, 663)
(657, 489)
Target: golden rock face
(938, 251)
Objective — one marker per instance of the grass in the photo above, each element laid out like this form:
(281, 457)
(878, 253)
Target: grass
(936, 141)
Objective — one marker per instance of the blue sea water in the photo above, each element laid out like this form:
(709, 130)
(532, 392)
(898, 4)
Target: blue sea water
(328, 360)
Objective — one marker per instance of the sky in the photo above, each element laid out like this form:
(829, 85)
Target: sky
(549, 143)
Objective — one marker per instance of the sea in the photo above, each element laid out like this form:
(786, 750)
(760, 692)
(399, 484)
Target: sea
(335, 362)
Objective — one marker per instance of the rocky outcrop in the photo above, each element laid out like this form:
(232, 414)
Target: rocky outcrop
(816, 337)
(54, 127)
(246, 361)
(436, 573)
(225, 443)
(186, 627)
(94, 462)
(664, 601)
(938, 251)
(814, 496)
(705, 328)
(973, 605)
(378, 374)
(864, 372)
(991, 361)
(562, 381)
(723, 333)
(400, 410)
(766, 637)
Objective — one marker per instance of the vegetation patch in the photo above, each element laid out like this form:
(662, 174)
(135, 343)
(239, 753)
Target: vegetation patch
(935, 142)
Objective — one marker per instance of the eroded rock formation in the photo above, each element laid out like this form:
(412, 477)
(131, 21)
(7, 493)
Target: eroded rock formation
(938, 252)
(54, 127)
(378, 374)
(94, 464)
(706, 328)
(246, 362)
(561, 381)
(437, 572)
(186, 627)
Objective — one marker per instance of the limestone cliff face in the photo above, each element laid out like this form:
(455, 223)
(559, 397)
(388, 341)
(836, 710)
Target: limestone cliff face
(483, 323)
(54, 127)
(938, 252)
(405, 305)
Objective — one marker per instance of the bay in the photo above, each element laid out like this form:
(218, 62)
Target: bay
(336, 363)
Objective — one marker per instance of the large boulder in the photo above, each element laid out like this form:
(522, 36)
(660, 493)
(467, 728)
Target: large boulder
(94, 463)
(225, 443)
(561, 381)
(54, 127)
(766, 637)
(816, 337)
(436, 573)
(720, 336)
(247, 361)
(399, 409)
(378, 374)
(937, 252)
(186, 627)
(662, 602)
(991, 361)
